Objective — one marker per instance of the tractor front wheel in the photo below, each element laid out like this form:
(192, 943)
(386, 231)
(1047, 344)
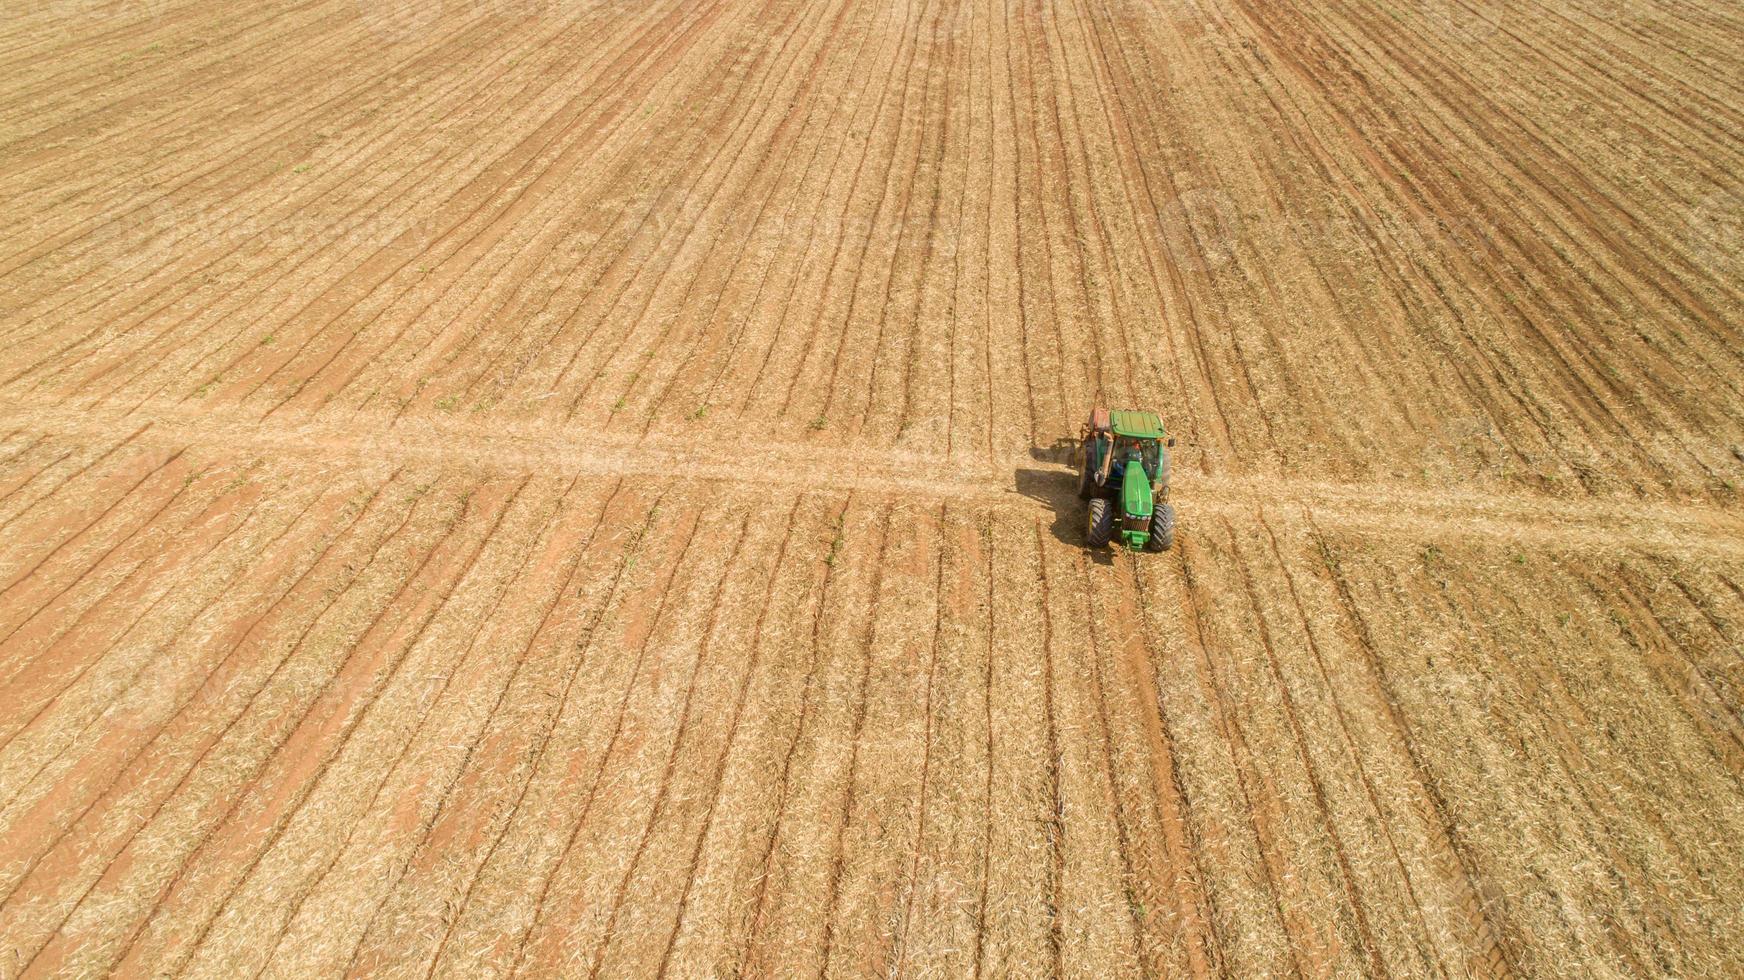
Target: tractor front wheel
(1101, 527)
(1162, 529)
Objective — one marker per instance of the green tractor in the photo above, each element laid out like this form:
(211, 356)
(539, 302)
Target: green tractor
(1124, 474)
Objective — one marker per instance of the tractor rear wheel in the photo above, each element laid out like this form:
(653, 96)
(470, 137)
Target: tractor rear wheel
(1101, 527)
(1162, 529)
(1086, 482)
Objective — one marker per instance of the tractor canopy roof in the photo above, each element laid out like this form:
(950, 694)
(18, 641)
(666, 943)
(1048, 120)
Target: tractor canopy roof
(1137, 425)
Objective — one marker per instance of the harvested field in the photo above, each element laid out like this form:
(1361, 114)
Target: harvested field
(499, 486)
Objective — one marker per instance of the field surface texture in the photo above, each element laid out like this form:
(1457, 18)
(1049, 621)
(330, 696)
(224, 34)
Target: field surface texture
(580, 486)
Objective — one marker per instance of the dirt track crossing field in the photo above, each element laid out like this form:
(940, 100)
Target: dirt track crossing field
(534, 486)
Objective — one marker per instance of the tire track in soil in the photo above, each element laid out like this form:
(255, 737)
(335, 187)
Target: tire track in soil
(44, 686)
(900, 936)
(720, 767)
(1353, 897)
(1194, 904)
(453, 346)
(524, 942)
(555, 536)
(58, 944)
(1114, 800)
(361, 963)
(1010, 222)
(1351, 749)
(103, 334)
(307, 768)
(668, 768)
(317, 384)
(525, 184)
(954, 249)
(1022, 913)
(1419, 511)
(1216, 262)
(751, 954)
(1491, 953)
(490, 938)
(106, 648)
(762, 167)
(859, 265)
(1055, 824)
(845, 810)
(1228, 728)
(24, 258)
(987, 546)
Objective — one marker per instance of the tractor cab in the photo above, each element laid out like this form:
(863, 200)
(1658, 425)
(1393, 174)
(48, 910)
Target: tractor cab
(1124, 475)
(1130, 449)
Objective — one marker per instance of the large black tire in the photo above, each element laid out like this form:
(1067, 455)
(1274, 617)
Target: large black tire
(1101, 523)
(1162, 529)
(1162, 473)
(1086, 482)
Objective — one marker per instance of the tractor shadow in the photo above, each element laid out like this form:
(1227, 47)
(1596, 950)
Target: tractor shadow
(1058, 489)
